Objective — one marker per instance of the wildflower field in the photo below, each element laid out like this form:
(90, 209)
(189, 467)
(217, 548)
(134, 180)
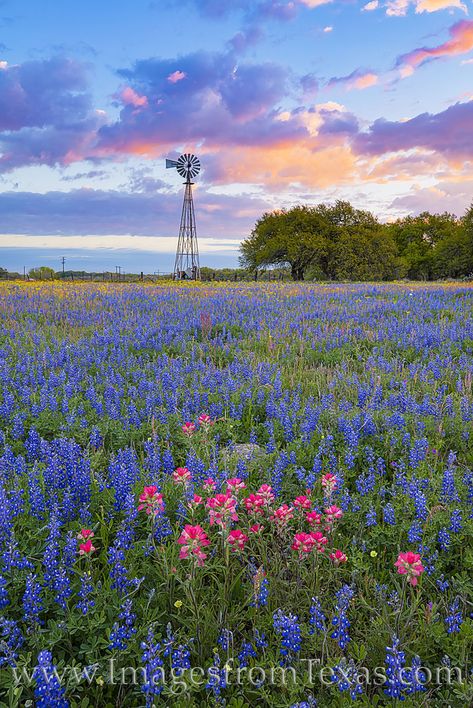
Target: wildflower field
(238, 495)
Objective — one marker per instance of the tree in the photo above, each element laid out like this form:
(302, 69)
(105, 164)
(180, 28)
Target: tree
(294, 238)
(42, 273)
(417, 238)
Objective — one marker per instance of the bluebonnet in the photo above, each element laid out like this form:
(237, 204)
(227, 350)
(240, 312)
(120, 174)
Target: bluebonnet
(388, 515)
(395, 662)
(4, 599)
(371, 518)
(414, 535)
(48, 691)
(317, 618)
(345, 677)
(225, 640)
(85, 602)
(260, 589)
(217, 677)
(180, 659)
(456, 521)
(442, 584)
(153, 683)
(11, 641)
(124, 629)
(246, 652)
(454, 619)
(32, 601)
(444, 539)
(288, 627)
(340, 621)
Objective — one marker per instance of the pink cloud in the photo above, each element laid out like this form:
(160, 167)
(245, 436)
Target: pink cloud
(130, 97)
(460, 42)
(176, 76)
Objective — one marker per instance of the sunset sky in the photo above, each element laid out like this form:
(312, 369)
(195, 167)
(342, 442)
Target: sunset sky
(284, 102)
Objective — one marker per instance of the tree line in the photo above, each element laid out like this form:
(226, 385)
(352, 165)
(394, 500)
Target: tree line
(339, 242)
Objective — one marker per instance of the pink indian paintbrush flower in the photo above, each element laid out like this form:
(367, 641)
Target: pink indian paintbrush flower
(86, 549)
(195, 502)
(319, 541)
(329, 483)
(235, 484)
(85, 534)
(266, 492)
(181, 475)
(338, 557)
(314, 518)
(255, 504)
(410, 564)
(151, 500)
(303, 543)
(205, 420)
(256, 528)
(222, 509)
(282, 515)
(209, 484)
(188, 428)
(237, 539)
(192, 540)
(331, 514)
(302, 502)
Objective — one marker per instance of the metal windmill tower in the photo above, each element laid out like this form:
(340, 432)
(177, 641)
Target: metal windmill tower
(186, 265)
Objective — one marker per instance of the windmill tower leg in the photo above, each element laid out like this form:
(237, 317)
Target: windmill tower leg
(187, 264)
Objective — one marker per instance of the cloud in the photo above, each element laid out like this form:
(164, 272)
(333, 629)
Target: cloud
(399, 8)
(370, 6)
(102, 212)
(221, 101)
(46, 114)
(358, 79)
(460, 42)
(447, 133)
(453, 197)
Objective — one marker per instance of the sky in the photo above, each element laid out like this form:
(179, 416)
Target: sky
(284, 102)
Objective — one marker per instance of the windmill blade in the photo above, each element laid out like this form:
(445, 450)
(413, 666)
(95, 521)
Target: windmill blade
(171, 163)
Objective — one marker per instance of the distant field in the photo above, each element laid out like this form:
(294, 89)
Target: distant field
(205, 490)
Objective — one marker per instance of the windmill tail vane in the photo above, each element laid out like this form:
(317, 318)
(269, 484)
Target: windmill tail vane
(186, 265)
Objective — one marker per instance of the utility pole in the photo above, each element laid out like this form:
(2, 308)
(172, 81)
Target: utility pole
(63, 260)
(24, 272)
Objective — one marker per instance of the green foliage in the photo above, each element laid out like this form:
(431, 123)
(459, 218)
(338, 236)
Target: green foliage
(339, 242)
(42, 273)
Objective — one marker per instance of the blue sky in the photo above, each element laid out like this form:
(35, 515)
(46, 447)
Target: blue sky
(284, 102)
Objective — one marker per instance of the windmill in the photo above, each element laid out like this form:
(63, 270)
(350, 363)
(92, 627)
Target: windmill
(186, 265)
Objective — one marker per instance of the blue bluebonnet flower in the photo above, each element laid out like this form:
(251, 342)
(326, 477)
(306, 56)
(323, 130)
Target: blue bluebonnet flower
(289, 628)
(11, 641)
(48, 691)
(86, 589)
(388, 515)
(246, 652)
(217, 677)
(225, 640)
(345, 677)
(454, 619)
(32, 601)
(154, 677)
(123, 631)
(442, 584)
(317, 618)
(340, 621)
(180, 659)
(371, 518)
(444, 539)
(395, 662)
(456, 524)
(4, 599)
